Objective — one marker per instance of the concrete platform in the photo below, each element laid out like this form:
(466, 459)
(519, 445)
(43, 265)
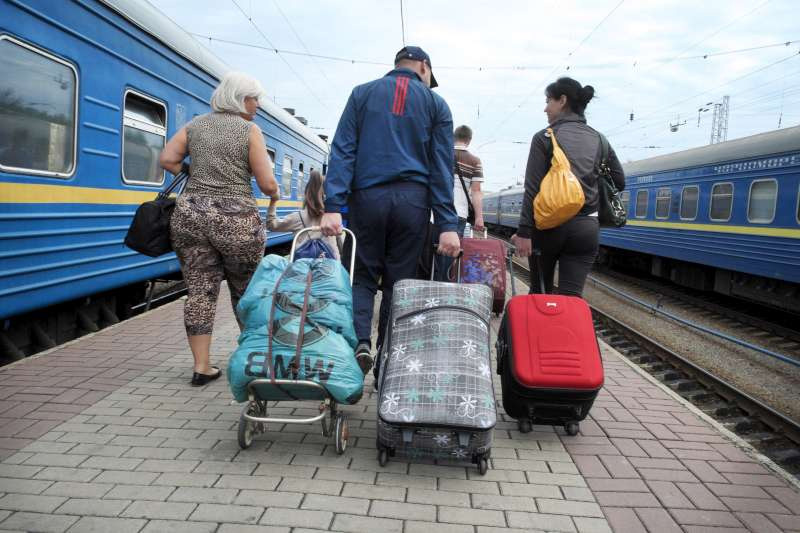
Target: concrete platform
(105, 434)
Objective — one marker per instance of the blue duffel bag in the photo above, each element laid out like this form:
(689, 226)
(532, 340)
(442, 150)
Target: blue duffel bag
(271, 310)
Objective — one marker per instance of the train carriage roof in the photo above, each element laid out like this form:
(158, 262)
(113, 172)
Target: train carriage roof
(157, 24)
(760, 145)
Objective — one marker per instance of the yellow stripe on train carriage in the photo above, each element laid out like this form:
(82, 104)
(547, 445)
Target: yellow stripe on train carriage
(31, 193)
(763, 231)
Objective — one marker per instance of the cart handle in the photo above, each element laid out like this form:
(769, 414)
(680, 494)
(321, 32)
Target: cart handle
(346, 231)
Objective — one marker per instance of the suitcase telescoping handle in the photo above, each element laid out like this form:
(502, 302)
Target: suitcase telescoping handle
(537, 254)
(456, 263)
(347, 233)
(510, 257)
(537, 258)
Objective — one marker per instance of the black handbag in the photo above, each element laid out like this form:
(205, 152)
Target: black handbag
(610, 209)
(149, 231)
(470, 208)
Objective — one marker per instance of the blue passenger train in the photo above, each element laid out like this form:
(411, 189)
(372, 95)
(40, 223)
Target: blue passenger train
(723, 218)
(90, 90)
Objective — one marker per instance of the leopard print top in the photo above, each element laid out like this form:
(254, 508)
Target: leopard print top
(219, 146)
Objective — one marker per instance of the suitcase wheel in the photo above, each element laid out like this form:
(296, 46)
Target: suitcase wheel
(571, 428)
(524, 425)
(483, 465)
(383, 456)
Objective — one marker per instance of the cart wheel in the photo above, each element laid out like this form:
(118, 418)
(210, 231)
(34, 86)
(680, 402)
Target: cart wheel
(383, 456)
(483, 465)
(524, 425)
(342, 433)
(571, 428)
(245, 433)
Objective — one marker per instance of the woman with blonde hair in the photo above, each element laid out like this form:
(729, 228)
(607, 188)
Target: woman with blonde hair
(216, 229)
(309, 215)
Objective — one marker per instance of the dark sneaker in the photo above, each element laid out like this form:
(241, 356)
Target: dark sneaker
(363, 357)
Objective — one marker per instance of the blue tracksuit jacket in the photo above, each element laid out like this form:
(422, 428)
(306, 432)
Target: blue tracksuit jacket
(394, 129)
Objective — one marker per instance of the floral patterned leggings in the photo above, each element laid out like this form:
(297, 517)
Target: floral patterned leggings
(215, 238)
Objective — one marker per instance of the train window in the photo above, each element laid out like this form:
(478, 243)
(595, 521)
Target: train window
(300, 179)
(641, 203)
(663, 198)
(689, 198)
(761, 203)
(271, 154)
(38, 102)
(625, 197)
(286, 180)
(721, 202)
(798, 206)
(145, 133)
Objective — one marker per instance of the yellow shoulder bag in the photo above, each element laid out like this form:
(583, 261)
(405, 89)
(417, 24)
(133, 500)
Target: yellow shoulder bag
(560, 194)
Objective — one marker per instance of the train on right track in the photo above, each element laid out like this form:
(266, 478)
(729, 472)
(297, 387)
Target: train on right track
(723, 218)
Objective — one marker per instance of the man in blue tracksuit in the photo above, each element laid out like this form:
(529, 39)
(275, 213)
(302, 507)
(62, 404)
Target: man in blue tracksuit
(391, 163)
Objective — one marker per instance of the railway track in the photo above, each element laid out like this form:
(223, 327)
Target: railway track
(778, 330)
(769, 431)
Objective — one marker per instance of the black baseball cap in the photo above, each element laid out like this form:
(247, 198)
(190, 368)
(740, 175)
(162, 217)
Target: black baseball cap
(416, 53)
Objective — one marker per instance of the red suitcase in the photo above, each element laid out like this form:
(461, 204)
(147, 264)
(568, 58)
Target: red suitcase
(484, 261)
(549, 360)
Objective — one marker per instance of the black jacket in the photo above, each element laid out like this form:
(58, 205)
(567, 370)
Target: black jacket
(581, 144)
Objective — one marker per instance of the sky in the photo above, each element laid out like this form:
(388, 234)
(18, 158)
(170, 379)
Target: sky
(493, 60)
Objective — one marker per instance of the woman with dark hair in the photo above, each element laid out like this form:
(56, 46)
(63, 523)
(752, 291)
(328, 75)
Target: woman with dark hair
(309, 215)
(574, 243)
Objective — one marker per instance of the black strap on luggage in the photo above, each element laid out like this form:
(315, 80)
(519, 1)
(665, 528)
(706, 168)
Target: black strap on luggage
(470, 207)
(537, 254)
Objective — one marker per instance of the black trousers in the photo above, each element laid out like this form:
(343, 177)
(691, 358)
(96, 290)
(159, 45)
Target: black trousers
(573, 245)
(389, 223)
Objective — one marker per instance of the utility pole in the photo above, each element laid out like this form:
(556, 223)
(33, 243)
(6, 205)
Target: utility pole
(719, 123)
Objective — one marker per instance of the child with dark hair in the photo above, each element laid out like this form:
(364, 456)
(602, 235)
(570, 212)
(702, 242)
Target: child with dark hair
(573, 244)
(309, 215)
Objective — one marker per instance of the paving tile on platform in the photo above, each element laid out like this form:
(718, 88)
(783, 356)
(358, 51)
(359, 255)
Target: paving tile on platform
(41, 522)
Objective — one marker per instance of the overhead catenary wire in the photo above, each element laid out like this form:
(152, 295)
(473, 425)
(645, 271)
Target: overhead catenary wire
(694, 44)
(289, 65)
(721, 28)
(555, 68)
(614, 131)
(480, 68)
(302, 43)
(657, 117)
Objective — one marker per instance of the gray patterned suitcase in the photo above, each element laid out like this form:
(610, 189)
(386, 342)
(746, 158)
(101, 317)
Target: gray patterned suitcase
(436, 396)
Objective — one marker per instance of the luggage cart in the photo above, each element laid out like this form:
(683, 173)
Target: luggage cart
(255, 415)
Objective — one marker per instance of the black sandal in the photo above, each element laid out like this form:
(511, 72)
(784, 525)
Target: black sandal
(198, 379)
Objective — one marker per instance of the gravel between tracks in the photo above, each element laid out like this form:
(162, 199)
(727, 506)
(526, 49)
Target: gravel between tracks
(775, 383)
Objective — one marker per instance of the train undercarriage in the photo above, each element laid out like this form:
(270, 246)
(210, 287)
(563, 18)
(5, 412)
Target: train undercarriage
(774, 293)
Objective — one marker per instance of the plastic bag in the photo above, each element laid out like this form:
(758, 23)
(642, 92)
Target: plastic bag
(314, 249)
(560, 194)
